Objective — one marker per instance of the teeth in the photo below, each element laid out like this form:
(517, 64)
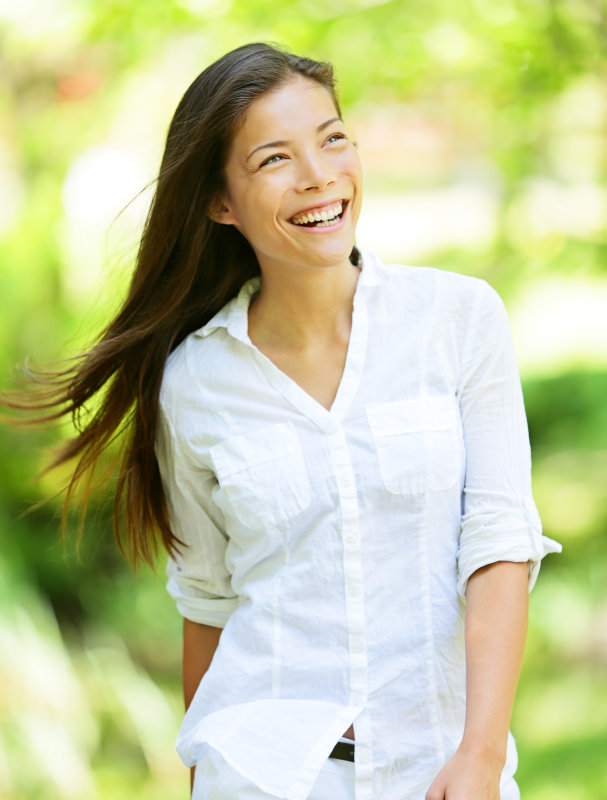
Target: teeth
(326, 215)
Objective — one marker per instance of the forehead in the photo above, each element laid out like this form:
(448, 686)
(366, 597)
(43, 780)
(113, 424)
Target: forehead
(294, 107)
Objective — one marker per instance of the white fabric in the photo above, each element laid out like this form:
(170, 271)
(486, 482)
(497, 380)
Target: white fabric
(335, 546)
(216, 780)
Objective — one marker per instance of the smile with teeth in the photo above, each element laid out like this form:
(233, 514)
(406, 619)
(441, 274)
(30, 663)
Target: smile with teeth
(320, 218)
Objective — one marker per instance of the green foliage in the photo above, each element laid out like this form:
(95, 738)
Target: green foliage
(504, 96)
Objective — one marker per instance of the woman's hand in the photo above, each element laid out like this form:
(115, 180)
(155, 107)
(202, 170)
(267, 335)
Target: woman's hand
(469, 775)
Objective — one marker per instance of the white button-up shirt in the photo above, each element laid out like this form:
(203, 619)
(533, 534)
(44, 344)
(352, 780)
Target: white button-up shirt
(334, 546)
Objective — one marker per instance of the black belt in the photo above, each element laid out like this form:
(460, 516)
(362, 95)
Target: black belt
(343, 751)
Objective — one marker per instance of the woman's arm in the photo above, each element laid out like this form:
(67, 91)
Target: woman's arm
(199, 645)
(497, 599)
(497, 602)
(198, 578)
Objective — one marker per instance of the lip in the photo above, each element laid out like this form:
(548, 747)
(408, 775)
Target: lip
(317, 207)
(329, 228)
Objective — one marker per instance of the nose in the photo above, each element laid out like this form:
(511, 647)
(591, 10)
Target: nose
(315, 173)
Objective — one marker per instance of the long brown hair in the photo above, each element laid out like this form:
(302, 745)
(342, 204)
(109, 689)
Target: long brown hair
(187, 268)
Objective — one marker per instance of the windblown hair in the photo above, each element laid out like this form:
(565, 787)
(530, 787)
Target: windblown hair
(187, 268)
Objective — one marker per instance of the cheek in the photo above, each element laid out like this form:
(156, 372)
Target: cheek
(355, 166)
(348, 165)
(258, 217)
(266, 202)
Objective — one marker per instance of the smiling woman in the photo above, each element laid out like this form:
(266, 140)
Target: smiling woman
(306, 181)
(334, 453)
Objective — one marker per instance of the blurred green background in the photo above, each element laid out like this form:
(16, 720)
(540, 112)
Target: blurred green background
(482, 127)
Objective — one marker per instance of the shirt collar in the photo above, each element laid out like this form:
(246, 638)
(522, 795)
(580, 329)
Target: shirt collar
(234, 315)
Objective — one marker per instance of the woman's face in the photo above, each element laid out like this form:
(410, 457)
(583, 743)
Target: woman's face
(293, 180)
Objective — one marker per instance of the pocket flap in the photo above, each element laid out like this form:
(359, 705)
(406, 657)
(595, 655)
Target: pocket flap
(250, 449)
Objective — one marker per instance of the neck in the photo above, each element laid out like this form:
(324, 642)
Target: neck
(304, 309)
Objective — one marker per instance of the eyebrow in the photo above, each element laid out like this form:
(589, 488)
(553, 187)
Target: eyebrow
(284, 142)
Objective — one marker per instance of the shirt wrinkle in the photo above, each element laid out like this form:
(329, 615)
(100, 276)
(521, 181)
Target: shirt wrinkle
(334, 547)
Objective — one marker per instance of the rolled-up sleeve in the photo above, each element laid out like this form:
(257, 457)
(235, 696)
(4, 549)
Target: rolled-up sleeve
(500, 521)
(198, 579)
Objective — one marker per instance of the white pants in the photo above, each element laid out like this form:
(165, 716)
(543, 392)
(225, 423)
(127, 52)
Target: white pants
(335, 782)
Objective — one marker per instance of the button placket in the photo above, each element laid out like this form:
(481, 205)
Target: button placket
(355, 612)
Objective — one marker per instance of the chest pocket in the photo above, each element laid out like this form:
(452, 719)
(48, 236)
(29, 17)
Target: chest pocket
(262, 475)
(419, 443)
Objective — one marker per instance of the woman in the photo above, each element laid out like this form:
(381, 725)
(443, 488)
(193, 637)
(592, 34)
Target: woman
(341, 471)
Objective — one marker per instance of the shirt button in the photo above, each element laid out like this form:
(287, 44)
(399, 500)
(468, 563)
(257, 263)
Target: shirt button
(358, 645)
(364, 756)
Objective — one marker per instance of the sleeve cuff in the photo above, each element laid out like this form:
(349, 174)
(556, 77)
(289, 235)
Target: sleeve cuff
(197, 605)
(208, 612)
(513, 534)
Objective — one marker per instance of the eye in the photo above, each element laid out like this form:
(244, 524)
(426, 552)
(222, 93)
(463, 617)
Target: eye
(272, 160)
(335, 137)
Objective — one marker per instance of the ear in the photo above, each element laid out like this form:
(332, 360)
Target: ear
(220, 211)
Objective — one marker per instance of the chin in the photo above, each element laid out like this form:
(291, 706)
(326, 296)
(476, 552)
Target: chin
(332, 253)
(334, 259)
